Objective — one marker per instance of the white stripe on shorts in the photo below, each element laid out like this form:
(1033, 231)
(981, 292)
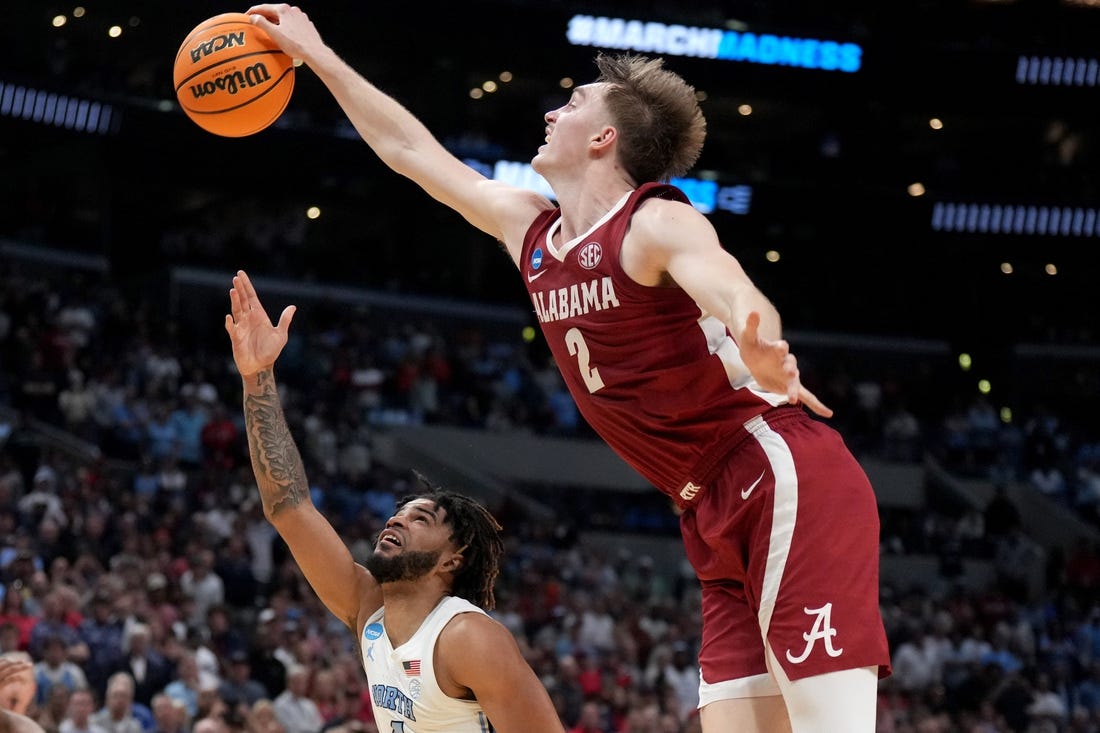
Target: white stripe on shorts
(785, 497)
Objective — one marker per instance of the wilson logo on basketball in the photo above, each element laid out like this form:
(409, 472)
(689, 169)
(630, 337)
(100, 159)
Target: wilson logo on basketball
(215, 44)
(233, 82)
(230, 77)
(590, 255)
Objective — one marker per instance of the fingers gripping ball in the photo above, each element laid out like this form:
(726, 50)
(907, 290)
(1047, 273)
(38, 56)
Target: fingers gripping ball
(230, 77)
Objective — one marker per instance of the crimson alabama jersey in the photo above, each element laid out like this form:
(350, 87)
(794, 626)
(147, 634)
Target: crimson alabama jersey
(661, 381)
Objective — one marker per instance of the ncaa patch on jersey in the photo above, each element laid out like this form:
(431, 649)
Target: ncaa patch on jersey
(373, 631)
(536, 259)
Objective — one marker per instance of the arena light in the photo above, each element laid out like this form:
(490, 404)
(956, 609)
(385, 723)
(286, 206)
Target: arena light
(58, 110)
(1018, 219)
(1057, 71)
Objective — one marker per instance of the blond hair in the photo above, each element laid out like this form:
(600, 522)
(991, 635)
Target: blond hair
(661, 128)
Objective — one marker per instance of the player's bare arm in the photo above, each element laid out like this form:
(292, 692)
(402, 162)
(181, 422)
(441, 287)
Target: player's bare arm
(670, 240)
(345, 587)
(12, 722)
(399, 139)
(476, 656)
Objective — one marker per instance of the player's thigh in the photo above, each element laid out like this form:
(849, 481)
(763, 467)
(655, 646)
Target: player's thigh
(746, 715)
(835, 702)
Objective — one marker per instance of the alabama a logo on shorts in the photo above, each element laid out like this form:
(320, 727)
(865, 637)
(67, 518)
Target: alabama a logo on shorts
(822, 629)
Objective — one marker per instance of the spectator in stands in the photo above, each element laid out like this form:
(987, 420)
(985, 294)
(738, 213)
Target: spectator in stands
(186, 685)
(101, 631)
(591, 719)
(76, 405)
(149, 669)
(682, 678)
(221, 446)
(53, 711)
(13, 613)
(188, 419)
(161, 369)
(78, 719)
(125, 435)
(237, 685)
(901, 434)
(117, 714)
(9, 638)
(223, 637)
(54, 670)
(172, 483)
(293, 707)
(43, 500)
(169, 716)
(233, 567)
(202, 585)
(263, 718)
(209, 725)
(161, 439)
(145, 480)
(913, 669)
(267, 667)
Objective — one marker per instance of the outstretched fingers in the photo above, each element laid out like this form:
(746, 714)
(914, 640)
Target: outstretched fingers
(286, 317)
(244, 282)
(811, 401)
(752, 325)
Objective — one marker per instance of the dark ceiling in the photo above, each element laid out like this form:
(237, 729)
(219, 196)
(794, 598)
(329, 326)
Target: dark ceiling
(829, 156)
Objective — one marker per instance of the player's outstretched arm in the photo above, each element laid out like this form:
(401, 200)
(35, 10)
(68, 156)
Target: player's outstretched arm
(401, 141)
(478, 654)
(672, 237)
(345, 587)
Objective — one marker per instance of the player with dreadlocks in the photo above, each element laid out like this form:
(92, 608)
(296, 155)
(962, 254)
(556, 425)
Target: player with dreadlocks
(474, 529)
(434, 659)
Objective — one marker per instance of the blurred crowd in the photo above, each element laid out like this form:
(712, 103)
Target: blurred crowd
(144, 583)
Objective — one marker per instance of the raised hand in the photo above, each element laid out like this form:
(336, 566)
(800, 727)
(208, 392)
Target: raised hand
(256, 342)
(288, 26)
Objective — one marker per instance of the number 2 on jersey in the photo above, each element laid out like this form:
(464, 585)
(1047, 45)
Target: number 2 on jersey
(574, 341)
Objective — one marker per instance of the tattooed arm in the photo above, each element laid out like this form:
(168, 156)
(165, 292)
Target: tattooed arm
(345, 587)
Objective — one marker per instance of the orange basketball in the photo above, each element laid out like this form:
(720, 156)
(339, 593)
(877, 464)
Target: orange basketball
(230, 77)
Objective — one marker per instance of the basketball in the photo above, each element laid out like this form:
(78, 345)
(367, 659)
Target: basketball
(230, 77)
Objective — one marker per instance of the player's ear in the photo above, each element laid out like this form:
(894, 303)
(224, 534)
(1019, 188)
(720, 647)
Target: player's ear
(456, 559)
(605, 137)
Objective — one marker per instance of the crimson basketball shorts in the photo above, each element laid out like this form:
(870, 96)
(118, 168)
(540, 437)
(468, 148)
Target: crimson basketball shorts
(785, 542)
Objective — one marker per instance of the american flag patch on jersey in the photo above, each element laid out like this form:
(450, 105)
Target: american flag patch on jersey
(412, 669)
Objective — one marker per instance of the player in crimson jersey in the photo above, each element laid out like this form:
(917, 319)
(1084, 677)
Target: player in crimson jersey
(677, 360)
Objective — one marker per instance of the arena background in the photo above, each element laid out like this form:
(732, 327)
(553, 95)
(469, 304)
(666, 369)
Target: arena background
(829, 155)
(922, 205)
(893, 235)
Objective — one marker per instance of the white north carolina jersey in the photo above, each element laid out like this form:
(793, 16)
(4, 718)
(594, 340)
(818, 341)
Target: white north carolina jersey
(404, 691)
